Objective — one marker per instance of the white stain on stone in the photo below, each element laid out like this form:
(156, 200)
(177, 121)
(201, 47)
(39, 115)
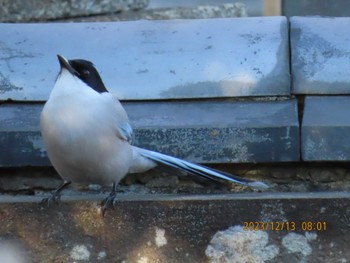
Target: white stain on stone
(311, 236)
(80, 252)
(297, 243)
(160, 238)
(143, 260)
(37, 144)
(236, 245)
(101, 255)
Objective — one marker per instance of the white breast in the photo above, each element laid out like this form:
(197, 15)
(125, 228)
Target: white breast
(78, 126)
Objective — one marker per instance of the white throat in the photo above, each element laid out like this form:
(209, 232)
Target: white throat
(68, 85)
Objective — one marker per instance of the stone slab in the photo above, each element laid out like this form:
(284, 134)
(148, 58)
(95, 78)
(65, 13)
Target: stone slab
(151, 59)
(33, 10)
(316, 8)
(320, 49)
(199, 131)
(326, 128)
(181, 228)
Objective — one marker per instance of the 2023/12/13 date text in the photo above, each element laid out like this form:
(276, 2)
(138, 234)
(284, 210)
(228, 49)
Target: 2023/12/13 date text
(285, 226)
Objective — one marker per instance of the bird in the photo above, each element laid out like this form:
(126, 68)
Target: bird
(89, 140)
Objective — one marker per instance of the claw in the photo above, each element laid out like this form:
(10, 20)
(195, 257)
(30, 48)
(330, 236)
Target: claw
(54, 198)
(55, 195)
(109, 200)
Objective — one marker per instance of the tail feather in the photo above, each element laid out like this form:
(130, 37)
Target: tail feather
(200, 170)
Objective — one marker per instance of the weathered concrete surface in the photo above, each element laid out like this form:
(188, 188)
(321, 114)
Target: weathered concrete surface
(320, 50)
(33, 10)
(326, 128)
(181, 228)
(152, 59)
(316, 8)
(254, 7)
(202, 11)
(204, 132)
(215, 10)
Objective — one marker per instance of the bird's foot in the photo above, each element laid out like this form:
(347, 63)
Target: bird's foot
(54, 198)
(109, 200)
(55, 195)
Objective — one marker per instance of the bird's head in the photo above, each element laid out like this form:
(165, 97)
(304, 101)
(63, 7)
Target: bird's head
(84, 70)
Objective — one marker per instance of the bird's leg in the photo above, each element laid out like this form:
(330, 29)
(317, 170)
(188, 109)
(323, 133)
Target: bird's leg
(55, 195)
(109, 200)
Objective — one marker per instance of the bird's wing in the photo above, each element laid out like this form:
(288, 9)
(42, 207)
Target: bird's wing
(125, 132)
(120, 119)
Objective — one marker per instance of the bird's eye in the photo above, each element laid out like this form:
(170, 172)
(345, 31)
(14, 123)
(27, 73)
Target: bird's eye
(86, 73)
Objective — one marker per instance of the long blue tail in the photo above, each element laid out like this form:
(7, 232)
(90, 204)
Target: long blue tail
(200, 170)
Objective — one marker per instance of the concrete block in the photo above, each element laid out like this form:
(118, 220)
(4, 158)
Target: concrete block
(203, 132)
(320, 55)
(282, 227)
(152, 59)
(316, 8)
(254, 7)
(32, 10)
(326, 128)
(179, 11)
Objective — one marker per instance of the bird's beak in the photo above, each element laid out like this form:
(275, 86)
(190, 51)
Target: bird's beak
(65, 65)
